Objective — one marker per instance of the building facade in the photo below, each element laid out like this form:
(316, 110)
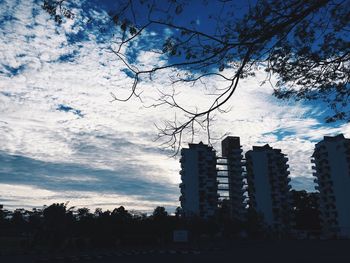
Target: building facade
(268, 186)
(199, 181)
(331, 160)
(231, 168)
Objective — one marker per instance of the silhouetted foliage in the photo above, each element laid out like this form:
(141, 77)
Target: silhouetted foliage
(57, 227)
(159, 213)
(229, 227)
(178, 212)
(305, 44)
(306, 210)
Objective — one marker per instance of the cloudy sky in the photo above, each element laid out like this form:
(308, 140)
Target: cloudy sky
(62, 139)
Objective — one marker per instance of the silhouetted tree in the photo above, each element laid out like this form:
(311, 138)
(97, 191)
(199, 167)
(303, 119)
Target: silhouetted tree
(305, 44)
(159, 213)
(2, 215)
(230, 227)
(18, 218)
(83, 213)
(306, 210)
(57, 222)
(98, 212)
(178, 212)
(121, 214)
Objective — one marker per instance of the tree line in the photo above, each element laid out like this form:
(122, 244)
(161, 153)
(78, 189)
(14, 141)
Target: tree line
(58, 227)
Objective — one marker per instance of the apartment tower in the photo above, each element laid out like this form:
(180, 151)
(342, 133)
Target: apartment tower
(230, 167)
(199, 181)
(331, 160)
(268, 186)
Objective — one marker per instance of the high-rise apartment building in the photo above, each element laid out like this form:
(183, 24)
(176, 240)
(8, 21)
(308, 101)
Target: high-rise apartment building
(332, 170)
(199, 181)
(268, 186)
(230, 167)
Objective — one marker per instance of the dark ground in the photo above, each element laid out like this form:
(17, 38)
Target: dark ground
(295, 251)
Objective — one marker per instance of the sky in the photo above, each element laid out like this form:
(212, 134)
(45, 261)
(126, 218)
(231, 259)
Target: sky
(62, 138)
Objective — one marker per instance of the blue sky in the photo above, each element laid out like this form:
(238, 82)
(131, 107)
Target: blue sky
(64, 140)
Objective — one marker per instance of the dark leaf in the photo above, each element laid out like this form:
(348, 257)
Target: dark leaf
(178, 9)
